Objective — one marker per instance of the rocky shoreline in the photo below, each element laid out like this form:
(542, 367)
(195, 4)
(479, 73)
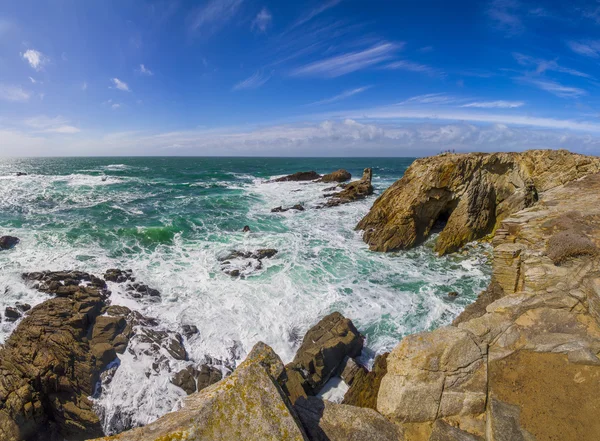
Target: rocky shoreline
(521, 363)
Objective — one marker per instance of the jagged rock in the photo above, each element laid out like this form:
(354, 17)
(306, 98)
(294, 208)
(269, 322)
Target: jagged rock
(472, 192)
(365, 387)
(243, 263)
(299, 176)
(340, 175)
(191, 379)
(249, 404)
(298, 207)
(325, 421)
(443, 431)
(189, 330)
(349, 369)
(323, 349)
(8, 242)
(11, 314)
(119, 276)
(353, 191)
(23, 307)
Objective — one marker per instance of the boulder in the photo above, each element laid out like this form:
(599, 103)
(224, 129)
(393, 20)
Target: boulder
(442, 431)
(21, 174)
(244, 263)
(470, 193)
(11, 314)
(8, 242)
(353, 191)
(349, 370)
(365, 385)
(325, 421)
(280, 209)
(299, 176)
(119, 276)
(249, 404)
(191, 379)
(340, 175)
(323, 349)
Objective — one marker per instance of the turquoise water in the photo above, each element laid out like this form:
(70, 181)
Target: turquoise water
(169, 219)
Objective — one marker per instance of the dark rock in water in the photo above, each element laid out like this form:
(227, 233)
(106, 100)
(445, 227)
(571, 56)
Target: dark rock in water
(11, 314)
(233, 272)
(452, 295)
(119, 276)
(340, 175)
(244, 262)
(172, 343)
(264, 253)
(118, 310)
(21, 174)
(298, 207)
(23, 307)
(299, 176)
(325, 421)
(64, 283)
(349, 369)
(139, 290)
(365, 385)
(193, 380)
(8, 242)
(323, 349)
(189, 330)
(353, 191)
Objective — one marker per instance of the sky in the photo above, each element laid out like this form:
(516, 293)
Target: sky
(303, 78)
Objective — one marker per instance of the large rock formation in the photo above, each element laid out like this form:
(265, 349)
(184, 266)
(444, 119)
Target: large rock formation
(354, 191)
(471, 193)
(340, 175)
(522, 363)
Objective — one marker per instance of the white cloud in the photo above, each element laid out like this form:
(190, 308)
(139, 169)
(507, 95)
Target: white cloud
(13, 93)
(145, 71)
(121, 85)
(84, 85)
(36, 59)
(115, 106)
(554, 88)
(32, 80)
(312, 13)
(495, 104)
(348, 62)
(430, 98)
(588, 48)
(253, 82)
(262, 21)
(341, 96)
(505, 16)
(414, 67)
(545, 65)
(46, 124)
(213, 15)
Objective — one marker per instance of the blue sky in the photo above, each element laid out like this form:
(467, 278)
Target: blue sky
(312, 78)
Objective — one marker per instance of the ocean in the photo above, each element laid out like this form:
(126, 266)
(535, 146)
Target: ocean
(171, 219)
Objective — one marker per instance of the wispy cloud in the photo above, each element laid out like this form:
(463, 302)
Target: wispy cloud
(588, 48)
(414, 67)
(116, 106)
(13, 93)
(341, 96)
(348, 62)
(553, 87)
(495, 104)
(542, 66)
(505, 16)
(430, 98)
(36, 59)
(84, 85)
(145, 71)
(213, 15)
(121, 85)
(51, 125)
(312, 13)
(33, 81)
(253, 82)
(262, 20)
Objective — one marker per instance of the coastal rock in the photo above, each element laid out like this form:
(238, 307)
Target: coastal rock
(119, 276)
(297, 207)
(244, 263)
(470, 193)
(325, 421)
(8, 242)
(365, 385)
(249, 404)
(192, 380)
(354, 191)
(323, 349)
(340, 175)
(11, 314)
(299, 176)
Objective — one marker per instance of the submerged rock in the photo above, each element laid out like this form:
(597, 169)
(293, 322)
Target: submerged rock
(8, 242)
(353, 191)
(299, 176)
(340, 175)
(323, 349)
(469, 193)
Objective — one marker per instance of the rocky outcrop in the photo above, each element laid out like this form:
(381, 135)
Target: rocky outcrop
(244, 263)
(525, 356)
(467, 195)
(298, 177)
(324, 347)
(340, 175)
(192, 379)
(249, 404)
(365, 385)
(8, 242)
(354, 191)
(280, 209)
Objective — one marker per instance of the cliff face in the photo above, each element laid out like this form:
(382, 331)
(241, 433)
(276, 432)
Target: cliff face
(522, 362)
(472, 193)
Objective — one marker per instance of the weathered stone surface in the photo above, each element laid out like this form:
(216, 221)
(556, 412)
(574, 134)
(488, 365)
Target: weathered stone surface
(349, 369)
(7, 242)
(340, 175)
(354, 191)
(249, 405)
(473, 192)
(443, 431)
(299, 176)
(325, 421)
(192, 380)
(11, 314)
(323, 349)
(365, 387)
